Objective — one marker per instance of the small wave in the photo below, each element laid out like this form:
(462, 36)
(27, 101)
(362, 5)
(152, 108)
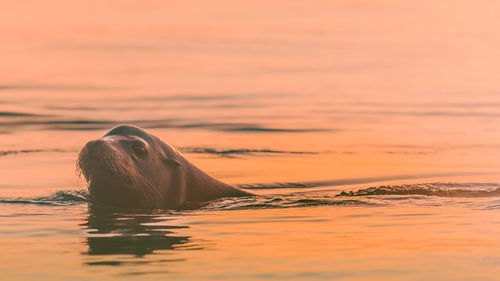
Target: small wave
(53, 87)
(427, 113)
(16, 114)
(338, 182)
(366, 196)
(243, 127)
(187, 97)
(231, 152)
(13, 152)
(161, 124)
(277, 185)
(259, 129)
(279, 202)
(431, 189)
(63, 197)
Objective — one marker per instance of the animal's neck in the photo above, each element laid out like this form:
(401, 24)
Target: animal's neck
(202, 187)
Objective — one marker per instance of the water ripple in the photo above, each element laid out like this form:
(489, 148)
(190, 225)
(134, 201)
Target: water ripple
(431, 189)
(424, 193)
(106, 124)
(231, 152)
(22, 151)
(63, 197)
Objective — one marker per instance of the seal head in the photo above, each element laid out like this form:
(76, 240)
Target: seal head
(128, 167)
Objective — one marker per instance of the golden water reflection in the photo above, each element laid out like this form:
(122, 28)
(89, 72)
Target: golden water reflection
(323, 242)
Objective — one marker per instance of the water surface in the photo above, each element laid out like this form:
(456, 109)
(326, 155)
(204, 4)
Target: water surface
(369, 131)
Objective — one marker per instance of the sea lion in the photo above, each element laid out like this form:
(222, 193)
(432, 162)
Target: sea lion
(129, 167)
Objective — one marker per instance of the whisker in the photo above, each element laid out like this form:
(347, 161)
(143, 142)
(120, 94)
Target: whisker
(89, 165)
(152, 191)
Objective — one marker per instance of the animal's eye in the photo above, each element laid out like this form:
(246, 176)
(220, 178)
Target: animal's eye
(139, 150)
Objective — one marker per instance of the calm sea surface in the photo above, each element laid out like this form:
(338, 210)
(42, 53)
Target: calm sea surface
(369, 129)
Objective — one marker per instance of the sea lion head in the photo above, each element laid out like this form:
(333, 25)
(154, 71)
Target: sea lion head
(129, 167)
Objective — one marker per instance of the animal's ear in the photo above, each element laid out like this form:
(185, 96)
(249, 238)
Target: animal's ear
(171, 162)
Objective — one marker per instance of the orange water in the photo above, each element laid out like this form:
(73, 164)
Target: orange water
(344, 94)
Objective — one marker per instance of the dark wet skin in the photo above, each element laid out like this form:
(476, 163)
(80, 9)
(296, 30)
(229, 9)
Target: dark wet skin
(131, 168)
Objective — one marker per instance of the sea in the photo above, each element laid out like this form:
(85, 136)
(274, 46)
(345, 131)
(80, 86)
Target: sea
(369, 132)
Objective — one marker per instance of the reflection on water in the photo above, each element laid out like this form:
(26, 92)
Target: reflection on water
(355, 241)
(110, 232)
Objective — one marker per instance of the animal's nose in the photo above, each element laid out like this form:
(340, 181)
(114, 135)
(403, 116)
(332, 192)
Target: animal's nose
(96, 145)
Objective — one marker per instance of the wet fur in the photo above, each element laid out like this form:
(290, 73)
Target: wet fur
(115, 163)
(187, 186)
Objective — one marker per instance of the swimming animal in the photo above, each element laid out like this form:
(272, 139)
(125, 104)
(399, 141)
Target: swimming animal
(131, 168)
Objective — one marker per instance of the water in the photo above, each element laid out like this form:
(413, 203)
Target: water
(369, 131)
